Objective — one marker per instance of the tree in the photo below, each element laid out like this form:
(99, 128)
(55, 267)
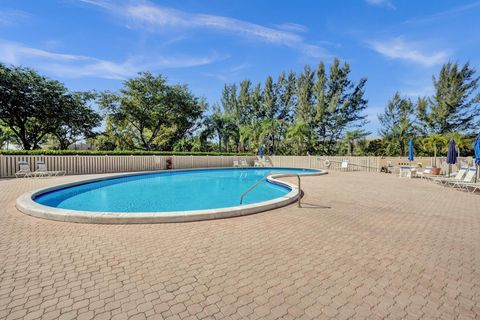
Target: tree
(397, 124)
(375, 147)
(298, 135)
(257, 101)
(223, 124)
(80, 122)
(455, 104)
(433, 143)
(6, 137)
(352, 139)
(244, 102)
(30, 104)
(338, 105)
(269, 101)
(285, 91)
(156, 114)
(305, 84)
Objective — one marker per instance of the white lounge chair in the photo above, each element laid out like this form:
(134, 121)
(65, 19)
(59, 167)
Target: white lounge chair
(454, 177)
(469, 178)
(42, 171)
(472, 186)
(235, 163)
(243, 163)
(24, 170)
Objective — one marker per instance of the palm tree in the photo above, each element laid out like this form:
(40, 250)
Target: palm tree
(224, 127)
(299, 134)
(352, 138)
(431, 143)
(269, 133)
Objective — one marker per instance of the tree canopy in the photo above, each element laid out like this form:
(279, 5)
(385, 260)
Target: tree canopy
(33, 106)
(455, 106)
(152, 112)
(317, 110)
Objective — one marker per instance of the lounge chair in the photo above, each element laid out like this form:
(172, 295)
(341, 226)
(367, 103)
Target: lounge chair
(424, 173)
(243, 163)
(235, 163)
(42, 171)
(469, 178)
(24, 170)
(473, 186)
(257, 163)
(453, 177)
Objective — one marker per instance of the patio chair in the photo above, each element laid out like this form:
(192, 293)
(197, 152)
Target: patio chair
(474, 186)
(42, 171)
(24, 171)
(458, 176)
(258, 163)
(344, 165)
(235, 163)
(469, 178)
(424, 173)
(243, 163)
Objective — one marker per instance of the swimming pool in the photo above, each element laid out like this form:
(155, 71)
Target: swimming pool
(179, 193)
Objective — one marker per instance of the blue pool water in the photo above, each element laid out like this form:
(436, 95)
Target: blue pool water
(169, 191)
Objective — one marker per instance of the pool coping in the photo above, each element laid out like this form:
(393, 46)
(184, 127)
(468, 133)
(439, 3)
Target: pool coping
(27, 205)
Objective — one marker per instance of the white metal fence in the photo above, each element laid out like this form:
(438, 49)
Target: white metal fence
(108, 164)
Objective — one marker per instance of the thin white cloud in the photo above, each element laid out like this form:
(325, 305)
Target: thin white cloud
(445, 14)
(79, 66)
(156, 18)
(229, 74)
(12, 17)
(99, 3)
(293, 27)
(399, 48)
(383, 3)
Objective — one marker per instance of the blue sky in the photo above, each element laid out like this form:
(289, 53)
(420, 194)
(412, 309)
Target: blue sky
(95, 44)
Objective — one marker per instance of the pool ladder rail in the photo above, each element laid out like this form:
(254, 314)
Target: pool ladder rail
(273, 173)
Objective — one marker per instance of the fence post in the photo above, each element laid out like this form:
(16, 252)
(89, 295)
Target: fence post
(2, 165)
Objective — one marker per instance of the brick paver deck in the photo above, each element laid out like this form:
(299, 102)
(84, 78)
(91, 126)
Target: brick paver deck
(365, 246)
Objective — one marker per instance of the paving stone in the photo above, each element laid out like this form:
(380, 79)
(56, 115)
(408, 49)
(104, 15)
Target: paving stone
(363, 246)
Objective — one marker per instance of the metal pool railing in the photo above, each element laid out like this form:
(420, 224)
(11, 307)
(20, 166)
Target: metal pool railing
(273, 173)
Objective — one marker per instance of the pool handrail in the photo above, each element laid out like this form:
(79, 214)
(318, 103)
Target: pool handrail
(270, 174)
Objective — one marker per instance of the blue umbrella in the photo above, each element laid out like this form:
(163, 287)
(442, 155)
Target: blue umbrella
(410, 150)
(261, 152)
(476, 148)
(452, 153)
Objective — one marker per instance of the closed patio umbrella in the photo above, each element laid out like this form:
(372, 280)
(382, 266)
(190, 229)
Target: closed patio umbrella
(410, 150)
(476, 149)
(451, 155)
(260, 152)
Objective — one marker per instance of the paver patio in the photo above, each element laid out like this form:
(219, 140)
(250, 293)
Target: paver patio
(365, 246)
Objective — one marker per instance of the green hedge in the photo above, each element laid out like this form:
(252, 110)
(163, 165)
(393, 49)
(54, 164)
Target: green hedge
(115, 153)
